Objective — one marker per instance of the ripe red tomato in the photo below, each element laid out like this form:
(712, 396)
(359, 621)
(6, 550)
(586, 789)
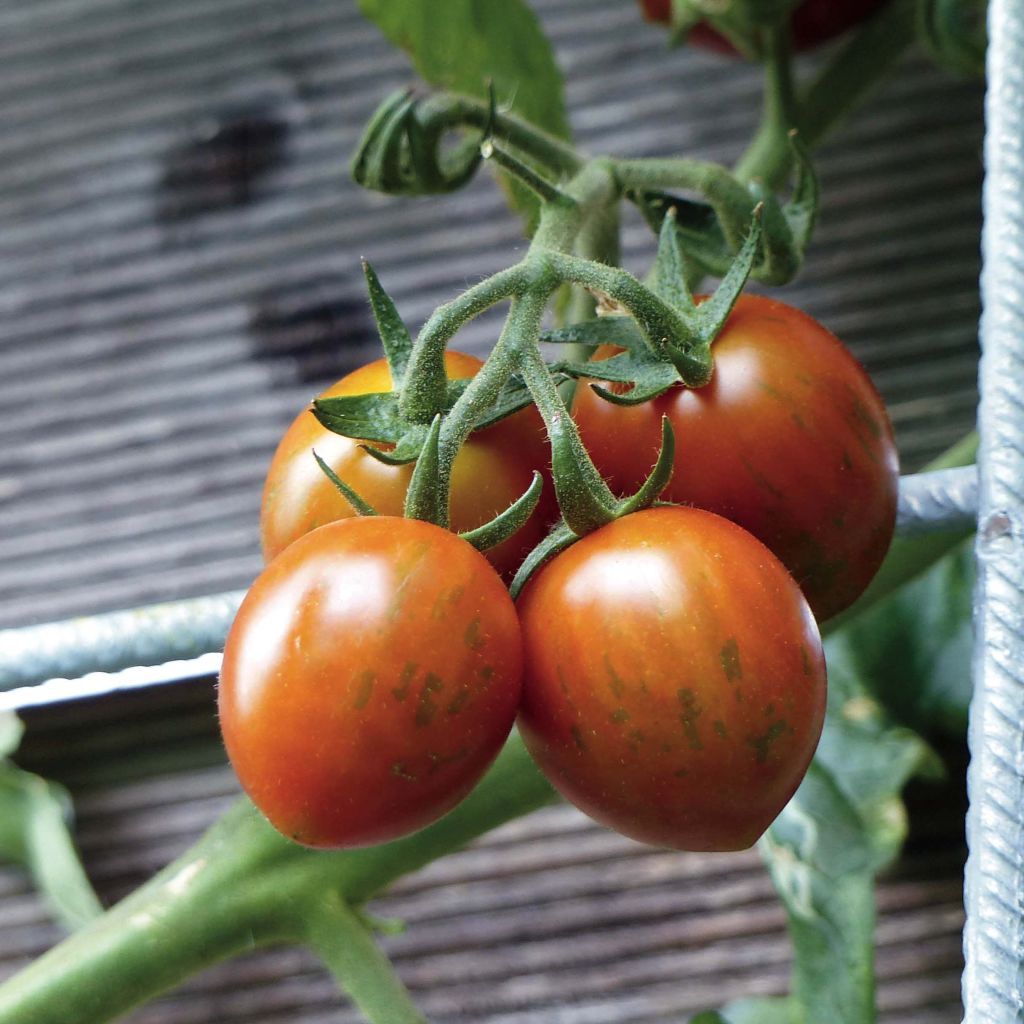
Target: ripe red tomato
(813, 22)
(680, 693)
(494, 467)
(790, 440)
(371, 676)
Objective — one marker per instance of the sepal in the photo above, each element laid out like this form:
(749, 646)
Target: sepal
(359, 504)
(394, 335)
(506, 523)
(426, 499)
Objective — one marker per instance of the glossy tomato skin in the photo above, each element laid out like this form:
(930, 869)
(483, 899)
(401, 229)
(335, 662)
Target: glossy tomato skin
(813, 22)
(372, 674)
(494, 467)
(790, 440)
(681, 695)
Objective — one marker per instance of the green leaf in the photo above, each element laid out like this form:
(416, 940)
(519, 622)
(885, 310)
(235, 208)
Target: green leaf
(34, 832)
(10, 732)
(845, 823)
(426, 499)
(620, 331)
(913, 649)
(371, 417)
(463, 45)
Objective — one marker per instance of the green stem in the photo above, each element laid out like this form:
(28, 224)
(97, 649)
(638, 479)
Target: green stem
(836, 92)
(663, 327)
(445, 111)
(342, 939)
(241, 886)
(214, 901)
(781, 112)
(425, 377)
(597, 240)
(728, 197)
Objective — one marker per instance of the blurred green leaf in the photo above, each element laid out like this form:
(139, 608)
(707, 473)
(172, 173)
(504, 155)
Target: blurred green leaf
(845, 823)
(751, 1011)
(34, 831)
(10, 733)
(913, 649)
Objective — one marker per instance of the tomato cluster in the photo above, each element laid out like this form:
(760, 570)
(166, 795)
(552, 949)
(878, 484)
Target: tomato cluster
(666, 669)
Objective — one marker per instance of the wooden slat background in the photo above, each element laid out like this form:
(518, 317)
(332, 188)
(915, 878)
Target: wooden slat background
(179, 272)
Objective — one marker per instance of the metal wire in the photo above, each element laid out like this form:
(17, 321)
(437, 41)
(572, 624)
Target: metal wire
(993, 981)
(97, 654)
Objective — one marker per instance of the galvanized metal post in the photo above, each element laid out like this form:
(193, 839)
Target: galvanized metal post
(993, 983)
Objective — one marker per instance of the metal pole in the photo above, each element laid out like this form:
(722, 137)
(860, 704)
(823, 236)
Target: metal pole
(993, 982)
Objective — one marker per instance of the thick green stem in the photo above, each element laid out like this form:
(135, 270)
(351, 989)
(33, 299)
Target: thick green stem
(241, 886)
(842, 85)
(782, 111)
(214, 901)
(341, 938)
(521, 329)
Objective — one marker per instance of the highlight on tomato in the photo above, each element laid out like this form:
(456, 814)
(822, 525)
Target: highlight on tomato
(493, 468)
(790, 440)
(674, 680)
(371, 675)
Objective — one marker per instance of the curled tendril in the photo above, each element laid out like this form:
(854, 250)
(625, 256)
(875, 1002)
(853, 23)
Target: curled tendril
(402, 151)
(954, 32)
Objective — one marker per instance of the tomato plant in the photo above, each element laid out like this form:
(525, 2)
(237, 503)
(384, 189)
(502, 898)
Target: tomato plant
(492, 469)
(666, 667)
(812, 22)
(683, 693)
(371, 676)
(790, 440)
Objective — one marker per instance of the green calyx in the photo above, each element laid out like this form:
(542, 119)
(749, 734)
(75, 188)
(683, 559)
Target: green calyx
(735, 230)
(644, 371)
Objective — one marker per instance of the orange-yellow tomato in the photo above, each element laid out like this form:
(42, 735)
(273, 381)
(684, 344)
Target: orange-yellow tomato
(674, 680)
(371, 676)
(494, 467)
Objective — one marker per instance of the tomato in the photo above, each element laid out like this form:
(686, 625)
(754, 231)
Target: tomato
(494, 467)
(681, 692)
(371, 676)
(790, 440)
(813, 22)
